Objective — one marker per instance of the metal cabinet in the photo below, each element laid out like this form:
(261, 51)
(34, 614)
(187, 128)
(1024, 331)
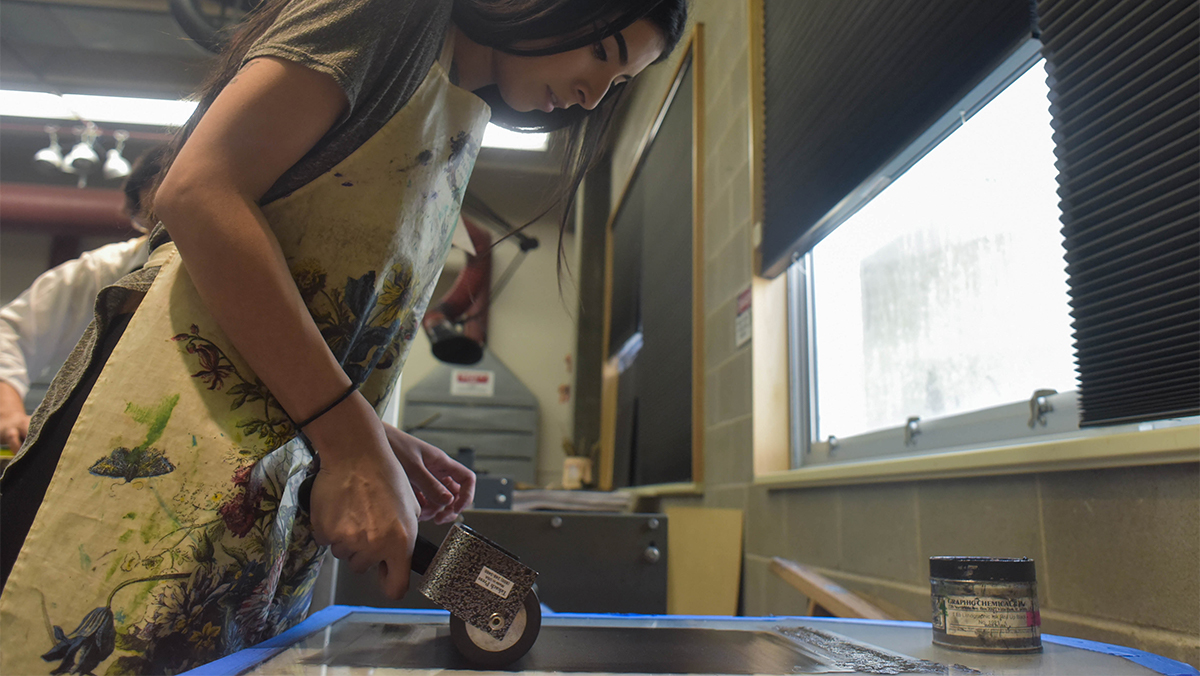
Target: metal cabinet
(586, 563)
(483, 407)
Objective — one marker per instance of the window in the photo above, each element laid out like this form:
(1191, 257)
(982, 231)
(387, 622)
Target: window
(938, 308)
(947, 292)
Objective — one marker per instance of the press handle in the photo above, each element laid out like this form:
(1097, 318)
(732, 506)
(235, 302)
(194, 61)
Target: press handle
(423, 551)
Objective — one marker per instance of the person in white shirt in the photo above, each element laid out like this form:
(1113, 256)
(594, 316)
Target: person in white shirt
(40, 327)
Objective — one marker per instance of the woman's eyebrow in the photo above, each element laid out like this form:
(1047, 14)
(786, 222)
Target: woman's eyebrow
(622, 50)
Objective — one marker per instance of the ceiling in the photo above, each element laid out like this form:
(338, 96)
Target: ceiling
(135, 48)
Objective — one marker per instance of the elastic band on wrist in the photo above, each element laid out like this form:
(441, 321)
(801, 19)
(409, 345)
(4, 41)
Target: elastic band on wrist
(344, 396)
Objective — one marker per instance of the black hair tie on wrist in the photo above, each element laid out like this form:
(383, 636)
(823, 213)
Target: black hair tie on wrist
(344, 396)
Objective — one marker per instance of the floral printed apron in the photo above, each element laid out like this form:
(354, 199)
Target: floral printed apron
(169, 535)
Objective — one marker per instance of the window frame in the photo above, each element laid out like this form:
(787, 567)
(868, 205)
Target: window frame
(983, 442)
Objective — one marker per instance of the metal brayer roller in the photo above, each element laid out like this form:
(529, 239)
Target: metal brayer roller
(495, 614)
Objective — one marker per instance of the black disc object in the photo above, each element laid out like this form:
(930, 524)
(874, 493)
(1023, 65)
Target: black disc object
(481, 649)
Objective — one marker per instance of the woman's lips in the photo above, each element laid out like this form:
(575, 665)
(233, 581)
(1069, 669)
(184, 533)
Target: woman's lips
(552, 101)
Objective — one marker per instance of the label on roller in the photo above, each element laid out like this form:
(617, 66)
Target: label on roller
(494, 582)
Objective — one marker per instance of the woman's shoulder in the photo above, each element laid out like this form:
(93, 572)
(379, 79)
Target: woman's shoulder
(356, 41)
(378, 51)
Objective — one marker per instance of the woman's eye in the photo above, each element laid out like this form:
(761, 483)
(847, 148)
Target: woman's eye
(599, 51)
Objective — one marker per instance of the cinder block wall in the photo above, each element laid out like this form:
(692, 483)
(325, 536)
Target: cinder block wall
(1118, 551)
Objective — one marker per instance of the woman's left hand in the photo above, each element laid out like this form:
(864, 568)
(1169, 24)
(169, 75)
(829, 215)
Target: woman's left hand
(443, 486)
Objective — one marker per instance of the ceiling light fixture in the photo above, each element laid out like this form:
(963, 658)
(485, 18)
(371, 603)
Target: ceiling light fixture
(499, 137)
(167, 113)
(49, 160)
(112, 109)
(83, 157)
(115, 164)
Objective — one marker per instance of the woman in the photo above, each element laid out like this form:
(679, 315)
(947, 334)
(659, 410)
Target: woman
(309, 208)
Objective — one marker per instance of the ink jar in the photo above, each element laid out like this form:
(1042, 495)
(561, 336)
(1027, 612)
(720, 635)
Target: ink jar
(984, 604)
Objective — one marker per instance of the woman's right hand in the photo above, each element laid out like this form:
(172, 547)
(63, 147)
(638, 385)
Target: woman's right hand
(362, 503)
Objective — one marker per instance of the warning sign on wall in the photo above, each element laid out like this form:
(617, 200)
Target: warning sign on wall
(466, 383)
(741, 324)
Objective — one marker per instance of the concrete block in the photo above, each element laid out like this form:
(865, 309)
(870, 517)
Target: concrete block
(767, 522)
(718, 334)
(731, 462)
(879, 532)
(734, 399)
(988, 516)
(1123, 544)
(812, 516)
(739, 197)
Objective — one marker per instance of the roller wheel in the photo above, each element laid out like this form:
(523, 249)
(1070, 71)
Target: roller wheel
(482, 649)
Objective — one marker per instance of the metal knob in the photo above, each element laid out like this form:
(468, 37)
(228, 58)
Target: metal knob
(556, 522)
(652, 555)
(912, 427)
(652, 524)
(501, 499)
(1039, 406)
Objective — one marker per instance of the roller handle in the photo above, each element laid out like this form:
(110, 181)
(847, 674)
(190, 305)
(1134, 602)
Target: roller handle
(423, 551)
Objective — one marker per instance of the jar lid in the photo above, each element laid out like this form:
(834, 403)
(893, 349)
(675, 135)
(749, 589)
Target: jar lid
(982, 568)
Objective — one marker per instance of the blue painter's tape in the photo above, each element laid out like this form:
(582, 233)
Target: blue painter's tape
(315, 622)
(1158, 663)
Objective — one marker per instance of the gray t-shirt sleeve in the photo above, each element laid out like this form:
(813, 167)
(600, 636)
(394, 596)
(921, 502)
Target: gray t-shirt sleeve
(378, 51)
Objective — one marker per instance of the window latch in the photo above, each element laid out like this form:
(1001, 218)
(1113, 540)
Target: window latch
(912, 427)
(1039, 406)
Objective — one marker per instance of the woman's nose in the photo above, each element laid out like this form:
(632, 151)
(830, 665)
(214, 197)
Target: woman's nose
(591, 94)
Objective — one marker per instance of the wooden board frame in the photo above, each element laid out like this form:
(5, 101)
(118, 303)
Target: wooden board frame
(610, 373)
(772, 392)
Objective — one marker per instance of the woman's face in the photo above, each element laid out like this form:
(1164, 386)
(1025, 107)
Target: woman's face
(578, 77)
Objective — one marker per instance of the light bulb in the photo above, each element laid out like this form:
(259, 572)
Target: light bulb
(115, 166)
(49, 160)
(82, 158)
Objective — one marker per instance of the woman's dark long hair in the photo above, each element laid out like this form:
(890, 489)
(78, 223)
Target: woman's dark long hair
(500, 24)
(575, 23)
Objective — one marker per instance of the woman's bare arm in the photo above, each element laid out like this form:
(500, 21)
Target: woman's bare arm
(266, 119)
(261, 124)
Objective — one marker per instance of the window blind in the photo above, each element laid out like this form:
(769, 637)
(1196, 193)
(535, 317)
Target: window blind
(1125, 93)
(849, 85)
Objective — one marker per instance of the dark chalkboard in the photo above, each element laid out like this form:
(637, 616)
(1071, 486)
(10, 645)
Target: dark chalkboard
(652, 320)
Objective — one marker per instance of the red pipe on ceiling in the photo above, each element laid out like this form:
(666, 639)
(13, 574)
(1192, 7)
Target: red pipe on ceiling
(62, 210)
